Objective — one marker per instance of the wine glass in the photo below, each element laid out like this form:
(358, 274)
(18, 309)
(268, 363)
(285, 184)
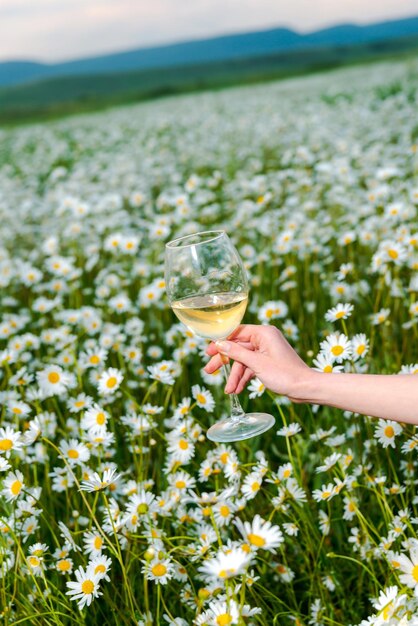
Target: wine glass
(207, 288)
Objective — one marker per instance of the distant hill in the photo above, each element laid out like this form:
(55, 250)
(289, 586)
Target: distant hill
(63, 95)
(206, 51)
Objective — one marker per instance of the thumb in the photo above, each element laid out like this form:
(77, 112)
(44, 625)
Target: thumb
(238, 353)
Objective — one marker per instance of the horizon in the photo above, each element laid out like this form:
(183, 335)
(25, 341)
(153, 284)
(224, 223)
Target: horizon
(388, 10)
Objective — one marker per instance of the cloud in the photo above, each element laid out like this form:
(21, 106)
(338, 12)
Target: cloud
(62, 29)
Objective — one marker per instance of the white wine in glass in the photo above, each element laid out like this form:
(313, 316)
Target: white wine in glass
(208, 291)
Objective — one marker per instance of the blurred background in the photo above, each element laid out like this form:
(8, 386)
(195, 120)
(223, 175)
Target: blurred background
(80, 55)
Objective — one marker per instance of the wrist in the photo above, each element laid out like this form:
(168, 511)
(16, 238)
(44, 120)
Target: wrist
(309, 387)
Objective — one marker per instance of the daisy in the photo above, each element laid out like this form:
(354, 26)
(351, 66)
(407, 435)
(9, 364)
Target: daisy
(288, 431)
(293, 490)
(158, 570)
(181, 449)
(64, 566)
(53, 380)
(228, 612)
(4, 465)
(140, 505)
(79, 403)
(13, 485)
(18, 408)
(256, 388)
(251, 485)
(181, 481)
(285, 573)
(388, 603)
(324, 523)
(272, 309)
(380, 317)
(326, 364)
(100, 566)
(203, 397)
(260, 533)
(109, 381)
(386, 431)
(336, 347)
(75, 452)
(98, 483)
(291, 529)
(94, 419)
(329, 462)
(163, 372)
(341, 311)
(9, 440)
(85, 588)
(93, 543)
(326, 492)
(409, 568)
(223, 512)
(226, 564)
(120, 303)
(360, 346)
(93, 357)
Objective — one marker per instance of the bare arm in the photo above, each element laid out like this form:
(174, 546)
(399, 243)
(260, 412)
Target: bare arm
(262, 351)
(392, 397)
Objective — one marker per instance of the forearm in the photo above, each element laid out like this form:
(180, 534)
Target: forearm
(392, 397)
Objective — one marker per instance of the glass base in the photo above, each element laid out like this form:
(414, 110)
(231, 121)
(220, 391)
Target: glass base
(246, 426)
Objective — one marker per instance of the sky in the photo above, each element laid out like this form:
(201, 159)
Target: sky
(57, 30)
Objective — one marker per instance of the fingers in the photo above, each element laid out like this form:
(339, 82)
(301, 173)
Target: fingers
(235, 351)
(213, 349)
(246, 377)
(237, 371)
(214, 364)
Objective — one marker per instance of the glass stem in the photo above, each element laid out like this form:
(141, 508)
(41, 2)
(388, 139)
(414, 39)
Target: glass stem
(236, 408)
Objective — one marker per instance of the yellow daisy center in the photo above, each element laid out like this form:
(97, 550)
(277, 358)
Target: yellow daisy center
(224, 619)
(337, 350)
(73, 454)
(6, 444)
(34, 561)
(180, 484)
(100, 569)
(224, 510)
(183, 444)
(159, 569)
(64, 565)
(53, 377)
(256, 540)
(111, 382)
(100, 418)
(389, 431)
(201, 398)
(98, 542)
(142, 508)
(87, 587)
(339, 315)
(415, 573)
(16, 487)
(393, 253)
(94, 360)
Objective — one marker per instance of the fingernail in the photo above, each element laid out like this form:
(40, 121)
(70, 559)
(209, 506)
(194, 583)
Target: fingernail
(223, 346)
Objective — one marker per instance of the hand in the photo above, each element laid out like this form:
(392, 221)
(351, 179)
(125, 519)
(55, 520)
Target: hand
(261, 351)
